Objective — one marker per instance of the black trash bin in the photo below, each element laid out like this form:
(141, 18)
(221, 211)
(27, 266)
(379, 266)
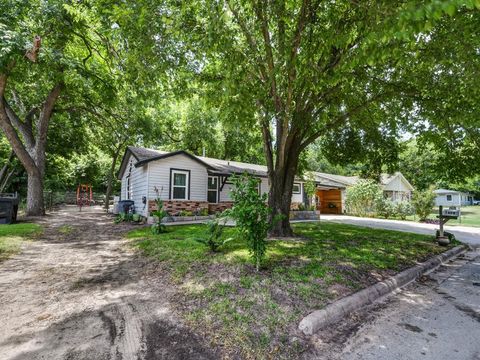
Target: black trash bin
(124, 206)
(8, 208)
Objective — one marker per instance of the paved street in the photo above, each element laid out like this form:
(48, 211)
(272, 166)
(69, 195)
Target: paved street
(437, 318)
(468, 235)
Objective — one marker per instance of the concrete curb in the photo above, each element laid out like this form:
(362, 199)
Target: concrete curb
(334, 312)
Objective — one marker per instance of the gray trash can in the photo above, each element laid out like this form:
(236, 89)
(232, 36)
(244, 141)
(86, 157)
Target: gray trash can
(124, 206)
(8, 208)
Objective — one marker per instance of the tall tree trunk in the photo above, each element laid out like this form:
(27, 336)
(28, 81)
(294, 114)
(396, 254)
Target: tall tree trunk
(110, 176)
(35, 202)
(281, 183)
(29, 149)
(279, 200)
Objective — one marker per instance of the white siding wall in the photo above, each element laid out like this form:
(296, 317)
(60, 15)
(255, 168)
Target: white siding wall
(159, 176)
(298, 198)
(397, 184)
(457, 200)
(225, 193)
(138, 181)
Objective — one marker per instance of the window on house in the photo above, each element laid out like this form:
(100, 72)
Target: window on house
(212, 191)
(297, 189)
(180, 181)
(449, 197)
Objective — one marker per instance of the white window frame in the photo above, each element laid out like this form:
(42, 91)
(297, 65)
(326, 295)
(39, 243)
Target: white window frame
(451, 197)
(217, 190)
(186, 186)
(299, 188)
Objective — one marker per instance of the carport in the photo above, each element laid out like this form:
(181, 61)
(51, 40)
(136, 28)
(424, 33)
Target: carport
(328, 200)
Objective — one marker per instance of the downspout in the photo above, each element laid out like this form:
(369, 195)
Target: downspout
(145, 206)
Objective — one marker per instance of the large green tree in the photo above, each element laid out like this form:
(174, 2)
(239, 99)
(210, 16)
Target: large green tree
(311, 68)
(47, 50)
(446, 78)
(306, 68)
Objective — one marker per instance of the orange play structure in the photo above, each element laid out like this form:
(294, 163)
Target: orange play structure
(84, 195)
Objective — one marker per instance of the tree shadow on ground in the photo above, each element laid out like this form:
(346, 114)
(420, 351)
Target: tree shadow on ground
(123, 330)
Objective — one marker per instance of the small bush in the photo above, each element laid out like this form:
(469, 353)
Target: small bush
(213, 237)
(363, 197)
(423, 203)
(123, 217)
(385, 208)
(403, 209)
(158, 215)
(251, 214)
(204, 212)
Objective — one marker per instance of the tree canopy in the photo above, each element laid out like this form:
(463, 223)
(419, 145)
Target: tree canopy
(295, 85)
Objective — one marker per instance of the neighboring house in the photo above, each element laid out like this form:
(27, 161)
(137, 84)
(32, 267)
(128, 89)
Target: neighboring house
(331, 190)
(445, 197)
(188, 182)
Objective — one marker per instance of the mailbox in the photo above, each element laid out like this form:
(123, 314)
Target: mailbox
(451, 213)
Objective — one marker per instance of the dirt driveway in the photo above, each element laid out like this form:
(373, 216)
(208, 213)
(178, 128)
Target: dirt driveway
(79, 292)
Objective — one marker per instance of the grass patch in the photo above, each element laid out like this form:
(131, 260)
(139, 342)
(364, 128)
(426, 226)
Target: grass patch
(470, 216)
(254, 315)
(12, 236)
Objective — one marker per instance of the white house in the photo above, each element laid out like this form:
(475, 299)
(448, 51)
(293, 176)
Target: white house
(445, 197)
(188, 182)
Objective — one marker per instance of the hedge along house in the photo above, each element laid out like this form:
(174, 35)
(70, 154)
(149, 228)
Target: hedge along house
(195, 183)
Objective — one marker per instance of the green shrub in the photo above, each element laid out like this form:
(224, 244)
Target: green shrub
(204, 212)
(158, 215)
(423, 203)
(123, 217)
(213, 237)
(301, 207)
(403, 209)
(363, 197)
(251, 215)
(385, 208)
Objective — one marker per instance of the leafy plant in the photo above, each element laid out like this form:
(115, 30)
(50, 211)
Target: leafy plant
(385, 208)
(123, 217)
(159, 214)
(204, 212)
(423, 203)
(251, 214)
(363, 197)
(213, 237)
(403, 209)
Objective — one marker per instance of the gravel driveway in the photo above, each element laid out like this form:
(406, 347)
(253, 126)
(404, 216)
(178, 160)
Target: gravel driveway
(79, 292)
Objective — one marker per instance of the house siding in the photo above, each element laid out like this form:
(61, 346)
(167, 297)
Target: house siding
(458, 199)
(159, 177)
(138, 186)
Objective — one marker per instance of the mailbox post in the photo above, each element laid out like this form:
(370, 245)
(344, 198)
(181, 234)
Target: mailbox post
(443, 217)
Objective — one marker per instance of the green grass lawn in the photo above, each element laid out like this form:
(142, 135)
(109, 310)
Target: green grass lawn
(470, 217)
(254, 315)
(12, 236)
